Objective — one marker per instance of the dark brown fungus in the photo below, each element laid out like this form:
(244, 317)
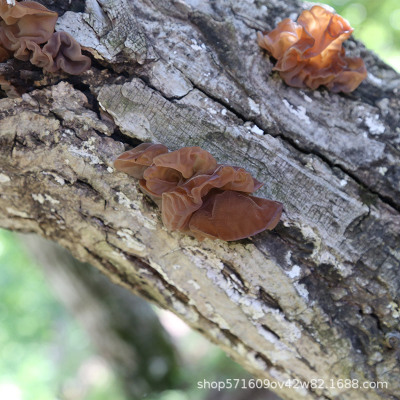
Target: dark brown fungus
(309, 52)
(198, 196)
(28, 25)
(64, 53)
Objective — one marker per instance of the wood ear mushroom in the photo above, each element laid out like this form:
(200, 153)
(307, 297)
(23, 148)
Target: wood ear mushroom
(309, 52)
(27, 25)
(198, 196)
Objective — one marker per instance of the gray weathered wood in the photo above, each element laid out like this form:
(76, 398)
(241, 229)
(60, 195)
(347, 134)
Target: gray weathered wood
(313, 299)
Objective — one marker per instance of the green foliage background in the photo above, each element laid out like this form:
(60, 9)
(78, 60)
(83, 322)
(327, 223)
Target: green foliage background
(41, 346)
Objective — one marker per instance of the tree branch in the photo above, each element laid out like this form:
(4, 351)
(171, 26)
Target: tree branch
(313, 299)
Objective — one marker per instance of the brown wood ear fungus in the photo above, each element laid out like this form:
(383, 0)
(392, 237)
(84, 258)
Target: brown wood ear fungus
(198, 196)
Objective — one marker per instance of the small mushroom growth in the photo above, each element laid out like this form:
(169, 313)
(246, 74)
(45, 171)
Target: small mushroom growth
(27, 25)
(199, 196)
(309, 52)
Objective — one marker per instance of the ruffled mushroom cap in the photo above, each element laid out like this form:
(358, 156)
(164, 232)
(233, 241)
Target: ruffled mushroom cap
(179, 204)
(26, 26)
(309, 52)
(230, 215)
(198, 196)
(172, 169)
(23, 23)
(65, 54)
(135, 161)
(157, 180)
(188, 161)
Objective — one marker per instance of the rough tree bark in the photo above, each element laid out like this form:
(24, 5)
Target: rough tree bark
(318, 297)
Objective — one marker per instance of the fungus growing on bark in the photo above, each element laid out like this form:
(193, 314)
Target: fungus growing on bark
(27, 25)
(198, 196)
(309, 52)
(135, 161)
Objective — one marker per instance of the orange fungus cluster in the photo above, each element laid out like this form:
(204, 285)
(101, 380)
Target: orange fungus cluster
(309, 52)
(27, 33)
(199, 196)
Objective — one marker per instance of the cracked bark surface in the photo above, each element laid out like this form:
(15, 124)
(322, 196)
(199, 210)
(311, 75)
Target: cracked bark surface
(312, 299)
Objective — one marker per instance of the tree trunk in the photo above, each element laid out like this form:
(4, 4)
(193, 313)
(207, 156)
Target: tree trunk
(314, 301)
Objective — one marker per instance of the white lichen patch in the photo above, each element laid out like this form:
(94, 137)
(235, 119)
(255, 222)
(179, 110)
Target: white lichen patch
(128, 238)
(38, 197)
(255, 308)
(122, 199)
(51, 200)
(395, 309)
(382, 170)
(16, 213)
(301, 290)
(294, 272)
(195, 46)
(377, 81)
(84, 153)
(344, 270)
(42, 198)
(326, 257)
(306, 98)
(375, 126)
(299, 111)
(256, 130)
(4, 178)
(288, 257)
